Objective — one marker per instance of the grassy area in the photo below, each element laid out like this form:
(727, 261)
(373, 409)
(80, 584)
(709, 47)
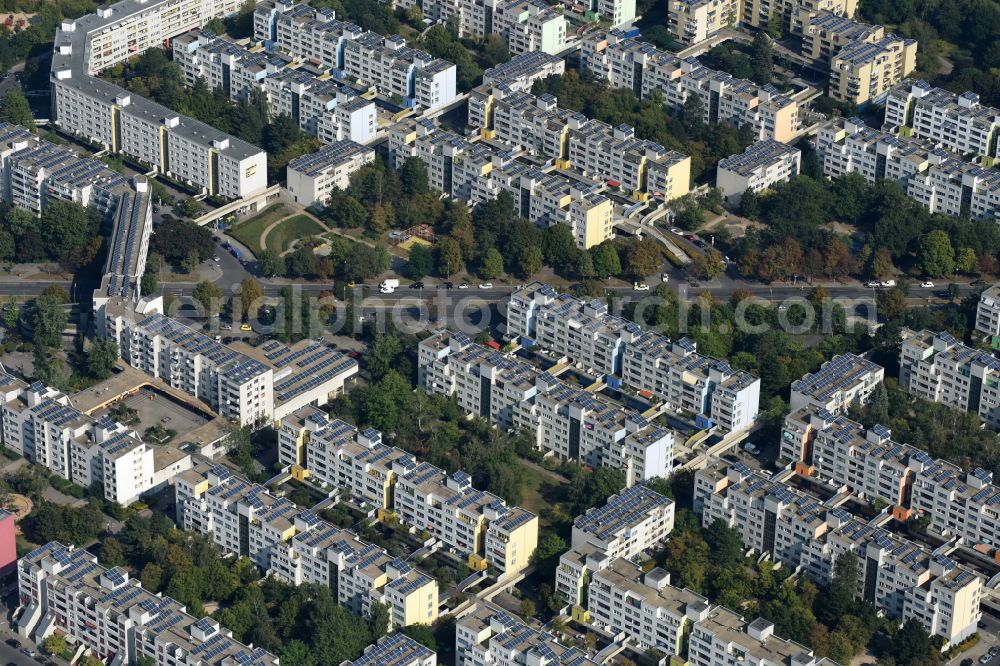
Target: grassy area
(294, 228)
(249, 232)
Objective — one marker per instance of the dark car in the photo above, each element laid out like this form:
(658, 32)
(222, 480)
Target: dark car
(354, 354)
(447, 285)
(14, 643)
(417, 285)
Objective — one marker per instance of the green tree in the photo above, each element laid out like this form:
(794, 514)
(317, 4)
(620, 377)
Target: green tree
(378, 619)
(708, 265)
(48, 320)
(559, 247)
(965, 260)
(67, 226)
(606, 260)
(112, 554)
(269, 263)
(527, 609)
(148, 284)
(843, 588)
(11, 314)
(15, 109)
(749, 205)
(251, 297)
(491, 265)
(208, 296)
(761, 58)
(190, 263)
(911, 644)
(421, 262)
(381, 355)
(936, 254)
(422, 634)
(102, 358)
(725, 544)
(413, 177)
(190, 207)
(881, 266)
(55, 644)
(529, 261)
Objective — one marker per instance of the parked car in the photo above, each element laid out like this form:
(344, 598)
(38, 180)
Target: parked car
(888, 283)
(640, 286)
(463, 286)
(28, 651)
(14, 643)
(751, 448)
(245, 327)
(665, 278)
(873, 283)
(675, 230)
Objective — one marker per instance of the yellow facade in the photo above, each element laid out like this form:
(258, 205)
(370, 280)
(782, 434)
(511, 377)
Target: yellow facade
(866, 82)
(421, 605)
(521, 546)
(678, 180)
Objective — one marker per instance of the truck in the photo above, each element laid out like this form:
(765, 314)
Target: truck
(388, 286)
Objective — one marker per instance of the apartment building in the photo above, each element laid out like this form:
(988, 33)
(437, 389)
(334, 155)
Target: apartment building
(324, 107)
(477, 523)
(630, 522)
(873, 466)
(537, 125)
(940, 181)
(521, 71)
(245, 384)
(841, 382)
(233, 384)
(988, 312)
(792, 15)
(567, 422)
(939, 368)
(673, 371)
(722, 637)
(132, 226)
(959, 123)
(475, 172)
(396, 650)
(246, 520)
(65, 590)
(693, 21)
(651, 613)
(761, 166)
(101, 112)
(530, 25)
(710, 389)
(863, 72)
(472, 521)
(586, 332)
(385, 63)
(639, 66)
(41, 424)
(865, 61)
(312, 178)
(902, 578)
(491, 635)
(35, 173)
(574, 424)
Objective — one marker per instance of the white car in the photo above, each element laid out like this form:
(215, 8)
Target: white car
(888, 283)
(486, 285)
(640, 286)
(874, 283)
(215, 258)
(463, 286)
(751, 448)
(665, 278)
(927, 284)
(675, 230)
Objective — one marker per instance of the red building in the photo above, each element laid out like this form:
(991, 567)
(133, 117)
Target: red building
(8, 544)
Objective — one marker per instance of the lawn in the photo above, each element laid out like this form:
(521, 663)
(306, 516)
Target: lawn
(249, 232)
(294, 228)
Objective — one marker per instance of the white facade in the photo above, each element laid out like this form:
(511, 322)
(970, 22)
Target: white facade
(491, 636)
(957, 122)
(41, 424)
(761, 166)
(103, 113)
(723, 638)
(939, 368)
(988, 312)
(940, 181)
(841, 382)
(904, 579)
(312, 178)
(385, 63)
(108, 612)
(639, 66)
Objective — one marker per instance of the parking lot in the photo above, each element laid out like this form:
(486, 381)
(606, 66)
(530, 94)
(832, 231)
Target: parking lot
(154, 408)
